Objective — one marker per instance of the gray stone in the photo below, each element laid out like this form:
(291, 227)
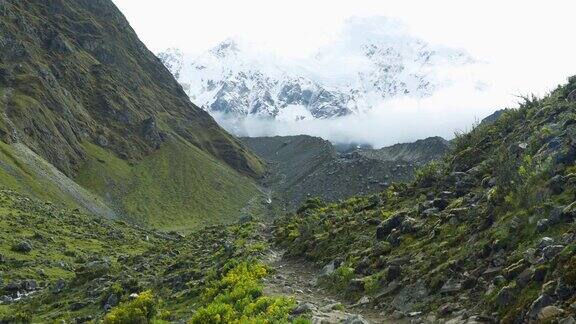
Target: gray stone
(499, 280)
(563, 291)
(506, 296)
(451, 286)
(557, 184)
(304, 308)
(23, 247)
(549, 312)
(111, 302)
(525, 277)
(355, 319)
(393, 272)
(328, 269)
(567, 320)
(544, 242)
(58, 286)
(386, 227)
(538, 304)
(571, 96)
(552, 251)
(542, 225)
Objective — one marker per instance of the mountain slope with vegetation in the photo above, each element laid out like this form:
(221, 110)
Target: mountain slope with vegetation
(81, 92)
(300, 167)
(60, 265)
(485, 235)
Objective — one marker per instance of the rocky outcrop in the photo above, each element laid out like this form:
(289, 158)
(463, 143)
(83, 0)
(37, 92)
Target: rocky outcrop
(302, 167)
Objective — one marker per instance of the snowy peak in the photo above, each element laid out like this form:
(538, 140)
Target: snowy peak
(375, 59)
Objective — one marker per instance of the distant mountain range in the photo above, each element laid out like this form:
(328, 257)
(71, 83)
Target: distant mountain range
(374, 59)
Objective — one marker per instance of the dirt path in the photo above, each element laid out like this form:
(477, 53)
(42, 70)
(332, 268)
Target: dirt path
(297, 279)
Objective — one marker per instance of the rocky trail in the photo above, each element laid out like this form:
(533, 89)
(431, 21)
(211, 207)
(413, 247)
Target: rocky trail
(297, 278)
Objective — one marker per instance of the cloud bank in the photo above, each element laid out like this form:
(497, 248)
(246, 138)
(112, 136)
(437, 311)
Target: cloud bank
(450, 110)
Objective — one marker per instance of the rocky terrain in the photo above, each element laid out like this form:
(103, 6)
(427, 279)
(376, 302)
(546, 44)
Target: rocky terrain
(302, 167)
(122, 202)
(485, 235)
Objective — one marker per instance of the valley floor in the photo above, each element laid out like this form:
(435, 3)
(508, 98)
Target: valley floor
(297, 278)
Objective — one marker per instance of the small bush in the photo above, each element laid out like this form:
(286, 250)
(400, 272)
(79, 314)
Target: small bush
(237, 298)
(140, 310)
(428, 174)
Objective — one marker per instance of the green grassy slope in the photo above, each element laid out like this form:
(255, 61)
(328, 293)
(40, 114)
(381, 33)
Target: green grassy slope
(80, 268)
(24, 171)
(176, 187)
(489, 231)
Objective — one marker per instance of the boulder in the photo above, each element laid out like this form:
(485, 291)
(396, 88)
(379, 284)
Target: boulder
(92, 270)
(328, 269)
(525, 277)
(394, 238)
(538, 304)
(542, 225)
(567, 320)
(386, 227)
(544, 242)
(557, 184)
(393, 272)
(450, 287)
(506, 296)
(569, 212)
(304, 308)
(549, 313)
(571, 96)
(355, 319)
(552, 251)
(563, 291)
(111, 302)
(58, 286)
(440, 203)
(22, 247)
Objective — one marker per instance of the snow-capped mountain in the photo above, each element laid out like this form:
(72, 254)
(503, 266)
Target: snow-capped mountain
(374, 59)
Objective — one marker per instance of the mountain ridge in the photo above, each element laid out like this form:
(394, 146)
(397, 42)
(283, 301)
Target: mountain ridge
(75, 81)
(371, 62)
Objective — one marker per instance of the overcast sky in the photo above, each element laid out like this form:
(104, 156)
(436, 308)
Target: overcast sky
(531, 39)
(530, 46)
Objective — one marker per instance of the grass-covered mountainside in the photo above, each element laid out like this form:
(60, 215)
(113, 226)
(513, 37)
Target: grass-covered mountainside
(60, 265)
(301, 167)
(82, 101)
(487, 234)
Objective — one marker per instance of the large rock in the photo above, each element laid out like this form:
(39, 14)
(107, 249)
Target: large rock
(92, 270)
(538, 304)
(506, 296)
(549, 313)
(22, 247)
(304, 308)
(386, 227)
(355, 319)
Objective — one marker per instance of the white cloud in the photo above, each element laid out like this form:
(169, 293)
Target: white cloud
(528, 44)
(402, 120)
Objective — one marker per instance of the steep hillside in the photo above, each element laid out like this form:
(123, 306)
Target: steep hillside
(77, 86)
(301, 167)
(486, 235)
(59, 265)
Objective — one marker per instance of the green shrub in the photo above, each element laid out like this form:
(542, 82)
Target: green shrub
(237, 298)
(428, 174)
(139, 310)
